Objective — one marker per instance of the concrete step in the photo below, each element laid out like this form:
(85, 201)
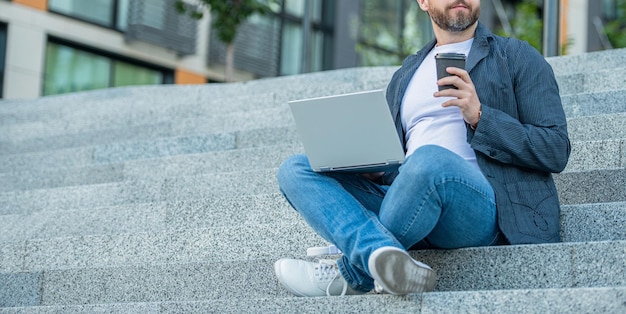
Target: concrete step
(586, 62)
(147, 103)
(563, 300)
(599, 127)
(33, 138)
(590, 104)
(85, 196)
(121, 165)
(596, 155)
(275, 131)
(591, 82)
(596, 186)
(202, 119)
(604, 153)
(583, 222)
(576, 187)
(111, 148)
(593, 222)
(94, 279)
(57, 177)
(198, 124)
(142, 99)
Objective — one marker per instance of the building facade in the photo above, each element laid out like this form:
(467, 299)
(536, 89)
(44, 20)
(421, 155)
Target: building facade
(50, 47)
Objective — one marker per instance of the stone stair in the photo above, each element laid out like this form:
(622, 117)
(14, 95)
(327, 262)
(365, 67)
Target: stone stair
(163, 199)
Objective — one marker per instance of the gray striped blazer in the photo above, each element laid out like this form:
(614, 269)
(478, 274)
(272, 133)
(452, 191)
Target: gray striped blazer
(521, 138)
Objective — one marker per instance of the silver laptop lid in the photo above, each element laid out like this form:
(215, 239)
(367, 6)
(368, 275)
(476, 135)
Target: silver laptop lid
(350, 132)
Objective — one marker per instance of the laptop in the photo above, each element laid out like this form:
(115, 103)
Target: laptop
(350, 132)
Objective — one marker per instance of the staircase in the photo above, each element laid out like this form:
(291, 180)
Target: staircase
(163, 199)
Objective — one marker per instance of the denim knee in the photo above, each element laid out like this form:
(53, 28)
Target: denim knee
(290, 169)
(430, 159)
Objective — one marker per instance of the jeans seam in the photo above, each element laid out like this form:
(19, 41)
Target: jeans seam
(416, 214)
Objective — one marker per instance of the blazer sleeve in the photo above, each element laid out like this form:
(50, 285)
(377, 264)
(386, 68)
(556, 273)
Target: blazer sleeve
(537, 138)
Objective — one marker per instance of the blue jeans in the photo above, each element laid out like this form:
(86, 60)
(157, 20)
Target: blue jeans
(437, 198)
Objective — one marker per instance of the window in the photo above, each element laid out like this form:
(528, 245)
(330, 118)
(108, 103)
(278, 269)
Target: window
(3, 43)
(71, 69)
(390, 30)
(109, 13)
(320, 36)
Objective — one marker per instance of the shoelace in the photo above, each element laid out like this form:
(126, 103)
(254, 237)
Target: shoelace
(327, 269)
(333, 250)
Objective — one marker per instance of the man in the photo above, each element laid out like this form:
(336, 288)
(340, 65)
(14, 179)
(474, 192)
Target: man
(477, 172)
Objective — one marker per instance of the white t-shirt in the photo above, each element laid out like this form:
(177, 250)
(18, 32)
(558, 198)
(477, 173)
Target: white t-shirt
(424, 120)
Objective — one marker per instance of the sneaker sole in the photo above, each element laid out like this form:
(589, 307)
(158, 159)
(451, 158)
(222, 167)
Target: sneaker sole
(398, 274)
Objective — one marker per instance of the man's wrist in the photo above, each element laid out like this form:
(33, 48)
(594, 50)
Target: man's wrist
(480, 112)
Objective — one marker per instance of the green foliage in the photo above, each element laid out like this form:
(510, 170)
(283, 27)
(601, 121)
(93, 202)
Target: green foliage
(616, 29)
(227, 14)
(527, 24)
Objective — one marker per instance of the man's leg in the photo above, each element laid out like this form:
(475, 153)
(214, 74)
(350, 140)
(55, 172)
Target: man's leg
(440, 197)
(336, 205)
(437, 197)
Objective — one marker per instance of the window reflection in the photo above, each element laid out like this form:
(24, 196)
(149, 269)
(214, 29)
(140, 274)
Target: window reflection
(109, 13)
(390, 30)
(319, 41)
(70, 69)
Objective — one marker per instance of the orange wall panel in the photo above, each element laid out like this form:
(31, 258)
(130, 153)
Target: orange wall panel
(37, 4)
(186, 77)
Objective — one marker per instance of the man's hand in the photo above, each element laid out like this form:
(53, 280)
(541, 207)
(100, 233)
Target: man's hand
(465, 96)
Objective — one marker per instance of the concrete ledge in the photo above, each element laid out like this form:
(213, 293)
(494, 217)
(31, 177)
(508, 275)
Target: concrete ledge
(579, 223)
(576, 187)
(163, 147)
(20, 289)
(85, 221)
(55, 177)
(593, 222)
(86, 196)
(589, 104)
(599, 60)
(566, 300)
(577, 265)
(598, 186)
(595, 128)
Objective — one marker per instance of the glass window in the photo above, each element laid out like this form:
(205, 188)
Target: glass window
(320, 42)
(109, 13)
(122, 14)
(3, 42)
(97, 11)
(390, 30)
(291, 49)
(70, 69)
(129, 74)
(295, 7)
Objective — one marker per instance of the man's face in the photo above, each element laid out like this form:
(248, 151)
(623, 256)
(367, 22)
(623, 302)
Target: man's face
(453, 15)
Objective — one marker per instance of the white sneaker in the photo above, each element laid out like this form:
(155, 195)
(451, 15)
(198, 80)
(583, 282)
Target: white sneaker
(308, 279)
(397, 273)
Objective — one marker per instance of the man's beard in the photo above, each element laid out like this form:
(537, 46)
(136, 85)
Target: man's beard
(457, 23)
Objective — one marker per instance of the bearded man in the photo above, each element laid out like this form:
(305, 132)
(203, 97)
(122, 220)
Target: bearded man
(478, 167)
